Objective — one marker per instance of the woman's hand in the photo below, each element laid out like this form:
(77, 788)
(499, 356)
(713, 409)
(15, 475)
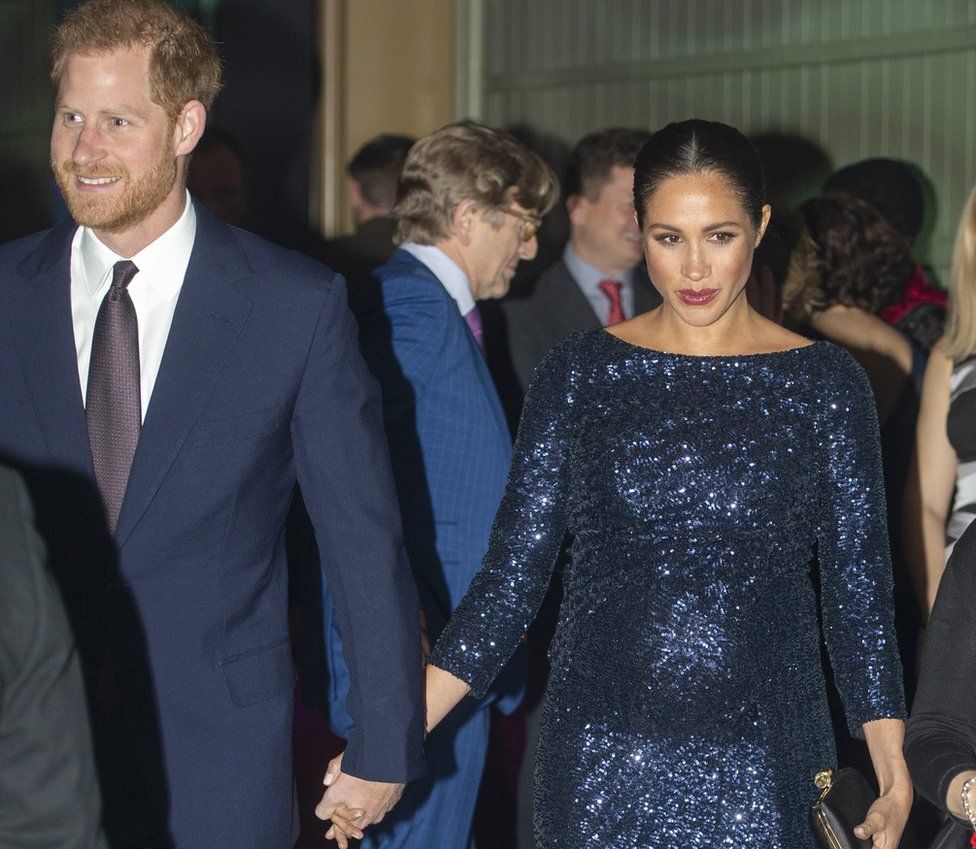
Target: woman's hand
(887, 816)
(886, 819)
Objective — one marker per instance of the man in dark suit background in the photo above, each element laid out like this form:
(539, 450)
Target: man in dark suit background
(371, 185)
(469, 204)
(600, 279)
(164, 380)
(48, 792)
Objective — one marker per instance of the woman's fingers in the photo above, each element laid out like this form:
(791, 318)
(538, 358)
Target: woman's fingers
(870, 825)
(344, 825)
(873, 828)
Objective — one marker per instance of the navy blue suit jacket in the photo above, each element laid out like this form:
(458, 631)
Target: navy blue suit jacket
(449, 444)
(181, 619)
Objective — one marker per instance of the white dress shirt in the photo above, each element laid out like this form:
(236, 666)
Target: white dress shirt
(447, 271)
(154, 292)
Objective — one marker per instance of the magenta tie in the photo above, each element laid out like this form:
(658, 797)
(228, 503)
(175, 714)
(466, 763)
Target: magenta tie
(473, 318)
(113, 404)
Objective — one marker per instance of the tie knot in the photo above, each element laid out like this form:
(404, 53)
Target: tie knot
(611, 288)
(122, 273)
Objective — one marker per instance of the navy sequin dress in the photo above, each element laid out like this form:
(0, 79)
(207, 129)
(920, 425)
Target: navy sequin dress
(686, 704)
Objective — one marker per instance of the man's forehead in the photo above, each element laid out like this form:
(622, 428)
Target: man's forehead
(119, 76)
(129, 60)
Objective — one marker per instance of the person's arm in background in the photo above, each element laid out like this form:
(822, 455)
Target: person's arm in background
(940, 744)
(881, 350)
(931, 480)
(48, 789)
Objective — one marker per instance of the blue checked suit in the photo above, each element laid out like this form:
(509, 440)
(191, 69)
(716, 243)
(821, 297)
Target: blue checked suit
(450, 447)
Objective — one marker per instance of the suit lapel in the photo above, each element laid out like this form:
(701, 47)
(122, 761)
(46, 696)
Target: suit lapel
(574, 311)
(40, 323)
(484, 375)
(209, 317)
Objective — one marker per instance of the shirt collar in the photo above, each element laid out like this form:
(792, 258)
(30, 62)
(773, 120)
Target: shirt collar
(161, 263)
(589, 276)
(447, 271)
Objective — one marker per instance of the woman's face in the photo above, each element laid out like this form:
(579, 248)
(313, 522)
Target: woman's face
(699, 240)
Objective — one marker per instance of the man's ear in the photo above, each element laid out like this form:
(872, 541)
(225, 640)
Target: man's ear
(463, 221)
(355, 193)
(190, 124)
(576, 207)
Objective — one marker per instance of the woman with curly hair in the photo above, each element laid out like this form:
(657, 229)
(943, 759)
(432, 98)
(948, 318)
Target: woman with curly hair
(946, 436)
(849, 265)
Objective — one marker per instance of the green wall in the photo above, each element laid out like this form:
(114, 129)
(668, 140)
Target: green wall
(858, 77)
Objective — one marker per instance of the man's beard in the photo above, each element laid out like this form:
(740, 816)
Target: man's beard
(129, 204)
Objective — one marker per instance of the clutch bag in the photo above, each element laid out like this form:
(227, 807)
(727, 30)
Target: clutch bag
(845, 797)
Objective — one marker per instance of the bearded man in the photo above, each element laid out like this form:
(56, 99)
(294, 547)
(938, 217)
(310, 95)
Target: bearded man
(164, 380)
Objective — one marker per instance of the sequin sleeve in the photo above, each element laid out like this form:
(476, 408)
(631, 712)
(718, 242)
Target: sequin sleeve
(505, 595)
(853, 553)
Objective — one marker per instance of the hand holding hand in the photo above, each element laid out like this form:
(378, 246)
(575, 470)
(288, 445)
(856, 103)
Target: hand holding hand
(353, 803)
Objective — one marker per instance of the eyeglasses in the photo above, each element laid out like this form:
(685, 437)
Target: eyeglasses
(530, 222)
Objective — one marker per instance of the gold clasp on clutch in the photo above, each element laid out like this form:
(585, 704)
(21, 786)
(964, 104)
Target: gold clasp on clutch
(824, 781)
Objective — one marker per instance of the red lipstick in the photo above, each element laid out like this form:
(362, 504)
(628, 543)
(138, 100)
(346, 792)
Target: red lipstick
(697, 297)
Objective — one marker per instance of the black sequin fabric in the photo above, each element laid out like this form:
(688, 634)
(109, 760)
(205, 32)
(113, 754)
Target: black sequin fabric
(686, 706)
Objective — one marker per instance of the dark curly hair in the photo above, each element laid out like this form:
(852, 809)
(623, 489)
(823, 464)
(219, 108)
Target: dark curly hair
(865, 261)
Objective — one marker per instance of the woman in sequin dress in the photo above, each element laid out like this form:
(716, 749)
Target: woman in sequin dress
(697, 455)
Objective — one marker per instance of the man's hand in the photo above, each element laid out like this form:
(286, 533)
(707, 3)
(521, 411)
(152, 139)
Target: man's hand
(353, 803)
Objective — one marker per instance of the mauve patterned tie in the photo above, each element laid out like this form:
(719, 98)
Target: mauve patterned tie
(113, 404)
(473, 318)
(611, 288)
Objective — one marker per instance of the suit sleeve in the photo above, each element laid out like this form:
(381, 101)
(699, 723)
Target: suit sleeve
(940, 741)
(344, 471)
(48, 791)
